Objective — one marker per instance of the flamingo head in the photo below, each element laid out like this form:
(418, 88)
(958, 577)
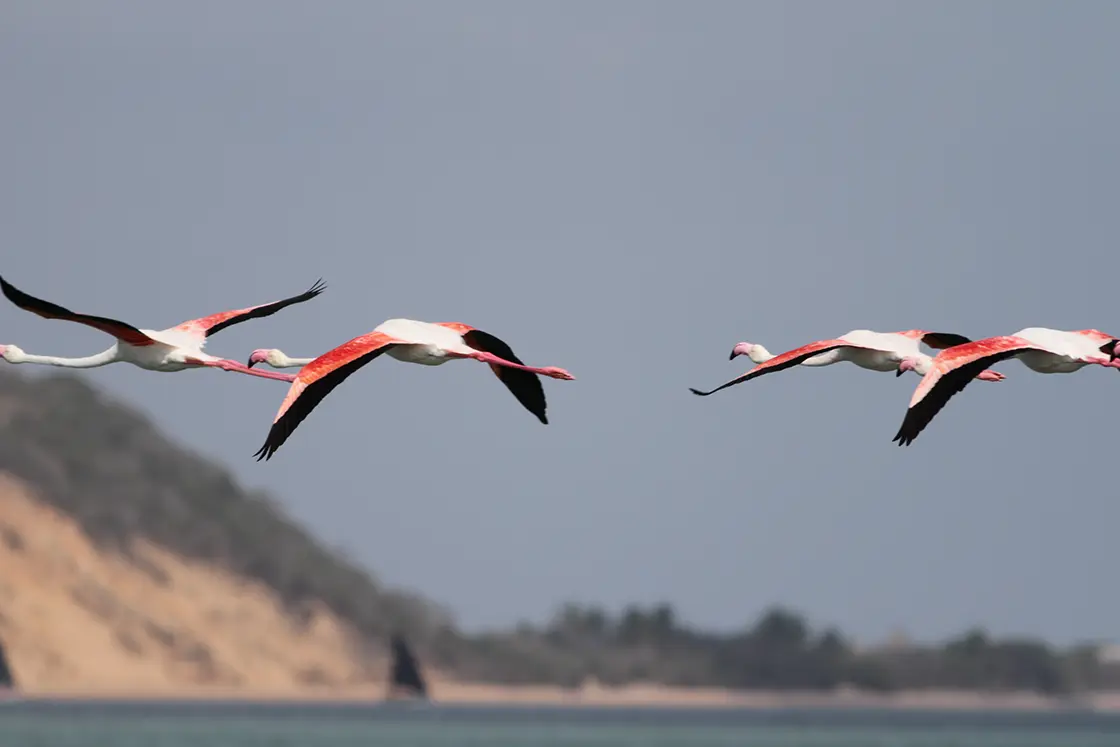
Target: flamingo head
(742, 348)
(918, 364)
(264, 355)
(11, 354)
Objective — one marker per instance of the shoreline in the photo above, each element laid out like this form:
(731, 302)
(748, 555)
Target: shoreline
(480, 695)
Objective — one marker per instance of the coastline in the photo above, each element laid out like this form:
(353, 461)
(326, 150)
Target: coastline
(633, 696)
(82, 623)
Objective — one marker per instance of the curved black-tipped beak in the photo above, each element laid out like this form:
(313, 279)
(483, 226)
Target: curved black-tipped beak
(732, 356)
(251, 363)
(898, 373)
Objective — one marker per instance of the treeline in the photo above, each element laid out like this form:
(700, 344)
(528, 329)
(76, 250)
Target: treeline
(123, 480)
(781, 651)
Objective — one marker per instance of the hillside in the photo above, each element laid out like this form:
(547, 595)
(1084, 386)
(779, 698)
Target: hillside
(127, 560)
(110, 532)
(127, 563)
(78, 618)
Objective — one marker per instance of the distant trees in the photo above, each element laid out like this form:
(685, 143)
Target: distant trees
(121, 479)
(781, 651)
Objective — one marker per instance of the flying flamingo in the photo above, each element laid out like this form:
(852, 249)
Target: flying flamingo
(174, 349)
(1048, 351)
(877, 351)
(426, 343)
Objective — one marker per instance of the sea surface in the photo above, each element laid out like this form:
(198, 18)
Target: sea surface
(94, 724)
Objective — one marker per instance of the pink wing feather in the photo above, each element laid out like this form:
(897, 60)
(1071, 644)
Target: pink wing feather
(785, 360)
(211, 325)
(951, 372)
(316, 380)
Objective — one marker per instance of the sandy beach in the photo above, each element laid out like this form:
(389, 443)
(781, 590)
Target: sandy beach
(654, 696)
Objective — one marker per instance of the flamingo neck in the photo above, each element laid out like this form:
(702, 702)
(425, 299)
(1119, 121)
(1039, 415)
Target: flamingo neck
(759, 354)
(826, 358)
(89, 361)
(922, 364)
(283, 361)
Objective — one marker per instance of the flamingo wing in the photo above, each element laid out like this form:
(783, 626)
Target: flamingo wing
(1109, 347)
(781, 362)
(952, 371)
(215, 323)
(316, 380)
(524, 385)
(123, 332)
(942, 340)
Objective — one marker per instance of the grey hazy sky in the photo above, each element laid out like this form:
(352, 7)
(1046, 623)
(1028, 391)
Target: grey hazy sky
(624, 189)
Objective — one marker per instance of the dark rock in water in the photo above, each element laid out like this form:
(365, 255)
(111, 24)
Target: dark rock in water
(7, 679)
(405, 679)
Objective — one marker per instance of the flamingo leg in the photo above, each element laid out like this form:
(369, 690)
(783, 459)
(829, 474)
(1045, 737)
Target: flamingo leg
(1105, 362)
(229, 365)
(551, 371)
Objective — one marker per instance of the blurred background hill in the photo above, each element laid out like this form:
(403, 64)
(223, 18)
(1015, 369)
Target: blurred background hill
(126, 561)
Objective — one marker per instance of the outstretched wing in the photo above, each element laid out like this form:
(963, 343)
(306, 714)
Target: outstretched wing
(215, 323)
(524, 385)
(942, 340)
(952, 371)
(781, 362)
(123, 332)
(316, 380)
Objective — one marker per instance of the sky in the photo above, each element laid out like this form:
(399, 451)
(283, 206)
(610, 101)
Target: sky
(625, 190)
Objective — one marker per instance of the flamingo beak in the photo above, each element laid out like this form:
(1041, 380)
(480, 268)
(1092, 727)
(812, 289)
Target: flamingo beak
(257, 357)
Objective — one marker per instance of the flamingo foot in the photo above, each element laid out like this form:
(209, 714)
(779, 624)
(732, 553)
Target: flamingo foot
(556, 373)
(990, 375)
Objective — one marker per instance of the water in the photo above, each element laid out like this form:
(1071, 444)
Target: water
(92, 724)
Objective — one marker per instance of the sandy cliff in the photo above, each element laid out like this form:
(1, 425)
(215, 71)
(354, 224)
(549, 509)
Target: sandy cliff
(77, 618)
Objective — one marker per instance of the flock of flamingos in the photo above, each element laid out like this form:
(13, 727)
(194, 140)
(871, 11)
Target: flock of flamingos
(959, 360)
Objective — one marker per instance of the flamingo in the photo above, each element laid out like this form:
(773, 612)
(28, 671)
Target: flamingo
(1043, 350)
(877, 351)
(174, 349)
(426, 343)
